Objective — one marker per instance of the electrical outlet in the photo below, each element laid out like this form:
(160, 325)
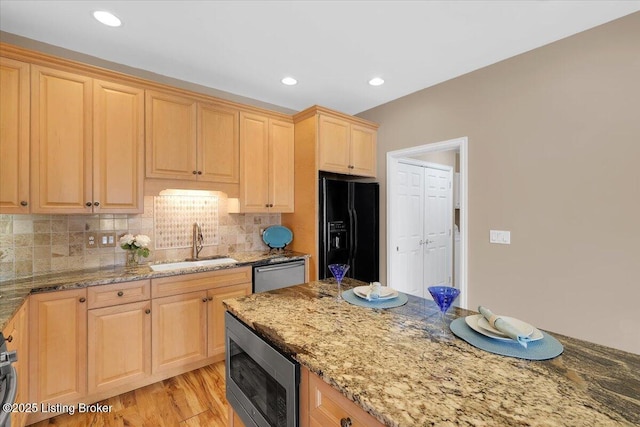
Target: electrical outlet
(107, 239)
(90, 240)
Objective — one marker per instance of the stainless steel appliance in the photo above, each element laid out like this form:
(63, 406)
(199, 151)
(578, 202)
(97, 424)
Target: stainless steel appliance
(276, 276)
(8, 381)
(349, 223)
(261, 383)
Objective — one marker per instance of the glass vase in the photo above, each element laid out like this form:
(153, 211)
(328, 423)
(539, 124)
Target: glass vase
(132, 259)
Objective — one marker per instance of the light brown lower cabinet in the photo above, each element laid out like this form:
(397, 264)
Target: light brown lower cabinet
(58, 346)
(119, 346)
(179, 330)
(90, 344)
(321, 406)
(15, 334)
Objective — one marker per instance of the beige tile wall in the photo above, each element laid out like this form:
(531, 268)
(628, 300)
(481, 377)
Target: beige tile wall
(39, 244)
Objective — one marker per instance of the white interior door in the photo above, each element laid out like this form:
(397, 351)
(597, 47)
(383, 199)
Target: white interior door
(408, 229)
(438, 237)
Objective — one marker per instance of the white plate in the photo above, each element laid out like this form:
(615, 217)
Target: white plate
(385, 293)
(522, 327)
(472, 321)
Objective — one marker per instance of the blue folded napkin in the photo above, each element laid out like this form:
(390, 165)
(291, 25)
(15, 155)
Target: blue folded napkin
(504, 326)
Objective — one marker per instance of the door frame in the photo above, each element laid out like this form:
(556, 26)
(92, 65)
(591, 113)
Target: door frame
(393, 157)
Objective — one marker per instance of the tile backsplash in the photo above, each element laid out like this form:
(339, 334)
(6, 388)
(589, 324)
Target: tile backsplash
(39, 244)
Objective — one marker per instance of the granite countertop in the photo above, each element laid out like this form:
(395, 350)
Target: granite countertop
(390, 364)
(14, 292)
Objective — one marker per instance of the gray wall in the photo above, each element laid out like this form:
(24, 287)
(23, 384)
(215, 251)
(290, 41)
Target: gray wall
(554, 147)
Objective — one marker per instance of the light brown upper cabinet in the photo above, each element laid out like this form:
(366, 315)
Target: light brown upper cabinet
(266, 164)
(191, 140)
(345, 147)
(14, 136)
(86, 144)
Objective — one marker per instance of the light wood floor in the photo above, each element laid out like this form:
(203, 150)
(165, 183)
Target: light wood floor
(194, 399)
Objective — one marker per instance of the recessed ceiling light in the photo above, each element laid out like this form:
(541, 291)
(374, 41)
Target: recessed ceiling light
(376, 81)
(289, 81)
(107, 18)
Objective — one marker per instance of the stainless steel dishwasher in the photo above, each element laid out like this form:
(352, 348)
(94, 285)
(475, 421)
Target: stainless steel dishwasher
(276, 276)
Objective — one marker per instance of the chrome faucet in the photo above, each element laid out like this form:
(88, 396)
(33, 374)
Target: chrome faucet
(198, 241)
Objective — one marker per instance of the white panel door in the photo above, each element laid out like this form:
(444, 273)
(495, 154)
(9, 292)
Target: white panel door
(438, 228)
(408, 230)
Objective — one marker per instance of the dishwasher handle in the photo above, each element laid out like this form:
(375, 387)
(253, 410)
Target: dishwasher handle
(282, 266)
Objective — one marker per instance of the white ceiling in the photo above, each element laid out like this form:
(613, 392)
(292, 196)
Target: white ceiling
(332, 47)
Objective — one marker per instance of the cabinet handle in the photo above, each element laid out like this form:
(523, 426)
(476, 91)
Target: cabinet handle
(83, 299)
(194, 172)
(88, 204)
(345, 422)
(24, 203)
(199, 172)
(147, 311)
(120, 293)
(96, 203)
(9, 338)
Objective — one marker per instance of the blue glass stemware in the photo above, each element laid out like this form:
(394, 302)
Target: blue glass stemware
(444, 297)
(338, 271)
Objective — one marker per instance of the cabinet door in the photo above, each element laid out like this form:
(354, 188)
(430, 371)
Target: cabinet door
(179, 334)
(281, 166)
(218, 144)
(118, 148)
(58, 346)
(363, 151)
(119, 345)
(254, 171)
(14, 137)
(170, 125)
(327, 407)
(333, 145)
(16, 335)
(61, 132)
(216, 315)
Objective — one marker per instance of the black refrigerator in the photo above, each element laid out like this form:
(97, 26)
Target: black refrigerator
(349, 223)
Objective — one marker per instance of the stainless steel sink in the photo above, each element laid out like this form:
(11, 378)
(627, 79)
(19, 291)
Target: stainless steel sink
(191, 264)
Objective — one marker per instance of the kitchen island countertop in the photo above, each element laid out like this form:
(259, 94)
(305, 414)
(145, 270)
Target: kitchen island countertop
(391, 365)
(14, 292)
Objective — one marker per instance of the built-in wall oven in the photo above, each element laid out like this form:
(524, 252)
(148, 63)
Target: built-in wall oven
(261, 382)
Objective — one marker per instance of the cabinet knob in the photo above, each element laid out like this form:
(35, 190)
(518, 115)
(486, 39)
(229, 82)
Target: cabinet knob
(24, 203)
(120, 293)
(96, 203)
(147, 311)
(9, 338)
(210, 299)
(270, 205)
(83, 299)
(88, 204)
(345, 422)
(204, 300)
(194, 172)
(199, 172)
(266, 205)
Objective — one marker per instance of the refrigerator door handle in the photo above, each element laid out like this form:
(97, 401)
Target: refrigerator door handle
(354, 245)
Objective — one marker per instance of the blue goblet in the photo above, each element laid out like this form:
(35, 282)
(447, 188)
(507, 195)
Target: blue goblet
(338, 271)
(444, 297)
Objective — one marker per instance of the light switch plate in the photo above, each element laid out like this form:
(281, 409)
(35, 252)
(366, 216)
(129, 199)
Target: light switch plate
(501, 237)
(107, 239)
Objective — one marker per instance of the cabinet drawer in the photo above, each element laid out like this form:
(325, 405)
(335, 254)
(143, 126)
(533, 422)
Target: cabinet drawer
(328, 407)
(118, 293)
(175, 285)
